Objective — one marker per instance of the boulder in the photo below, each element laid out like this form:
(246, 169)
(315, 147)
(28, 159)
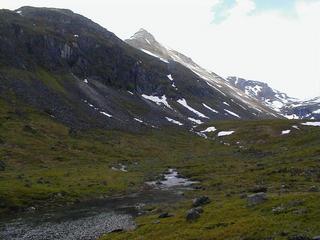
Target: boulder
(192, 214)
(257, 198)
(200, 201)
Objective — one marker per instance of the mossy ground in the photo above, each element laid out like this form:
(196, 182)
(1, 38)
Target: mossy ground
(48, 166)
(256, 156)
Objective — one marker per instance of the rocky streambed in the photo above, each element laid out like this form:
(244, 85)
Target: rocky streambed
(92, 219)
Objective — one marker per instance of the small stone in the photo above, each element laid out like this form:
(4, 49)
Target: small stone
(256, 199)
(165, 215)
(278, 210)
(200, 201)
(192, 215)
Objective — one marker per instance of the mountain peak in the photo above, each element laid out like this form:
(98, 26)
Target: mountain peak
(143, 34)
(142, 30)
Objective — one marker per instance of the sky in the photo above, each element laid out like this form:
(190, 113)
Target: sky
(274, 41)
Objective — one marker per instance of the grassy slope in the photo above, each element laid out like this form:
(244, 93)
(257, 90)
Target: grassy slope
(44, 161)
(286, 165)
(47, 165)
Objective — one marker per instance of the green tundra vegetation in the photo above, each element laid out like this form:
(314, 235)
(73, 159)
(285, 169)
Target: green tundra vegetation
(45, 164)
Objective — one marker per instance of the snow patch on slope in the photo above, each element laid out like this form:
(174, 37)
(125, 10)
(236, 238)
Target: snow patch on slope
(285, 132)
(138, 120)
(209, 129)
(225, 133)
(106, 114)
(211, 109)
(171, 79)
(184, 103)
(154, 55)
(157, 100)
(232, 113)
(313, 124)
(197, 121)
(174, 121)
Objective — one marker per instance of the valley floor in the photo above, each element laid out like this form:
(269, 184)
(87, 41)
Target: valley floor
(45, 165)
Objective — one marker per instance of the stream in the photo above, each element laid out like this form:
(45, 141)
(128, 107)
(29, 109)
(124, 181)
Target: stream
(92, 219)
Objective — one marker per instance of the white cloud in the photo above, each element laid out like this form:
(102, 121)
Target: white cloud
(242, 8)
(267, 46)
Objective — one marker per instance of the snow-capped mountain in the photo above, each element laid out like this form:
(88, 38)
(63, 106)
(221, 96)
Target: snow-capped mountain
(309, 109)
(146, 42)
(287, 106)
(262, 92)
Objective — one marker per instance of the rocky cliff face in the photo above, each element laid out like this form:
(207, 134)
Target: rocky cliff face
(83, 75)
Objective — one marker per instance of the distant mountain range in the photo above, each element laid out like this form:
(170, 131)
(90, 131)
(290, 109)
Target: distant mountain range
(82, 75)
(289, 107)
